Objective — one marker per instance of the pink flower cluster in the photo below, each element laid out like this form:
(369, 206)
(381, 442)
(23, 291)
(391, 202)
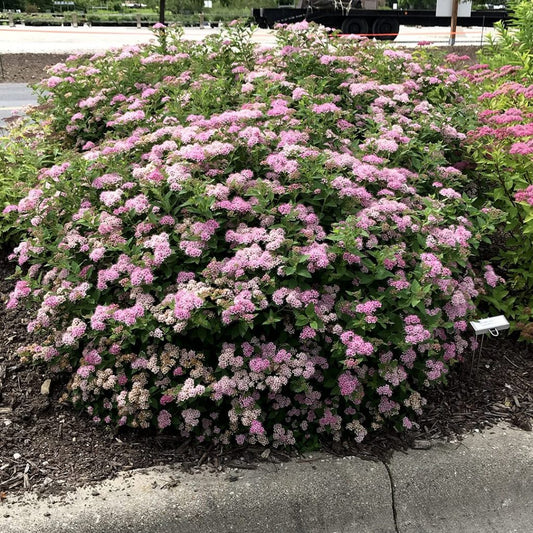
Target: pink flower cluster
(526, 195)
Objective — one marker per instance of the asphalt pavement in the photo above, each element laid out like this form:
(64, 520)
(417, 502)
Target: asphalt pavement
(14, 98)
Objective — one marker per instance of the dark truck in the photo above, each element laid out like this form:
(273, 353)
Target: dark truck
(366, 18)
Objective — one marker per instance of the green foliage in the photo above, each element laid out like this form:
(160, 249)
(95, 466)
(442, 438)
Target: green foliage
(513, 41)
(504, 168)
(502, 148)
(417, 4)
(13, 5)
(22, 155)
(185, 6)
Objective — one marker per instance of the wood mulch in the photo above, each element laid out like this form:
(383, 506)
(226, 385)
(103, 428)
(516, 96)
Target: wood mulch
(27, 68)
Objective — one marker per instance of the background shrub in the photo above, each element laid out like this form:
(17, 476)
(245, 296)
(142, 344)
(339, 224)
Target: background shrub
(502, 148)
(23, 152)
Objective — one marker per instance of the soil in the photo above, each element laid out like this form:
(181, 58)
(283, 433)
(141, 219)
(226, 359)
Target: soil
(47, 447)
(27, 68)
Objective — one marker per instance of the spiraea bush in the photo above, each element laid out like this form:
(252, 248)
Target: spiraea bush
(501, 147)
(252, 244)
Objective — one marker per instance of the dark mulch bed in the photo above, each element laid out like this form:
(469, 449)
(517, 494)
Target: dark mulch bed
(47, 447)
(27, 68)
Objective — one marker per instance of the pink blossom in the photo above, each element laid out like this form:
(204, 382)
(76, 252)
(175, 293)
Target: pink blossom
(384, 390)
(435, 369)
(522, 148)
(307, 333)
(386, 145)
(140, 276)
(491, 277)
(109, 198)
(191, 417)
(348, 383)
(449, 193)
(328, 107)
(243, 307)
(186, 301)
(369, 307)
(139, 204)
(129, 116)
(164, 419)
(160, 246)
(256, 428)
(416, 334)
(237, 204)
(129, 315)
(355, 345)
(92, 357)
(525, 195)
(101, 314)
(85, 371)
(386, 405)
(317, 256)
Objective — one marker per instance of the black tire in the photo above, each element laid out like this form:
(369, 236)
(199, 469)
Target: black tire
(385, 29)
(357, 26)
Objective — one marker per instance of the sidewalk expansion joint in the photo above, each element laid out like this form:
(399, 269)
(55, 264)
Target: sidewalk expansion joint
(393, 496)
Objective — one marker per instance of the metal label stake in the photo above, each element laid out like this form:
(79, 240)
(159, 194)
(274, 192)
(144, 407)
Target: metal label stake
(492, 325)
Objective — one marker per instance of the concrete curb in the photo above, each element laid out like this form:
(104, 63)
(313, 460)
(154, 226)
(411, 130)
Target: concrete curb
(321, 494)
(482, 484)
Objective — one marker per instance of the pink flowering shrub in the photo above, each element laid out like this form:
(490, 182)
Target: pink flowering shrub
(502, 149)
(252, 245)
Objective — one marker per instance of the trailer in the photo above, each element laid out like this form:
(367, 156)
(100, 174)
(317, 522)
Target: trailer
(383, 24)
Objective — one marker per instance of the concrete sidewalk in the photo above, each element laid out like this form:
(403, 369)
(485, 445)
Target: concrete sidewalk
(482, 484)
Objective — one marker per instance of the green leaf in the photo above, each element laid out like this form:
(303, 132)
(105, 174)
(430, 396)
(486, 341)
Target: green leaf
(302, 320)
(303, 272)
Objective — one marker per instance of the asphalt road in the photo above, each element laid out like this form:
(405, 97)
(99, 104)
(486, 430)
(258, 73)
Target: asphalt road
(14, 98)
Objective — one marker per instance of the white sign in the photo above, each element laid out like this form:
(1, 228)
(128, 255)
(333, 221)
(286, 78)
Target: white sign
(208, 3)
(444, 8)
(491, 325)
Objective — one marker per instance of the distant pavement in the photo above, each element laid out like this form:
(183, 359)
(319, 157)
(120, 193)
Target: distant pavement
(58, 39)
(14, 98)
(23, 39)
